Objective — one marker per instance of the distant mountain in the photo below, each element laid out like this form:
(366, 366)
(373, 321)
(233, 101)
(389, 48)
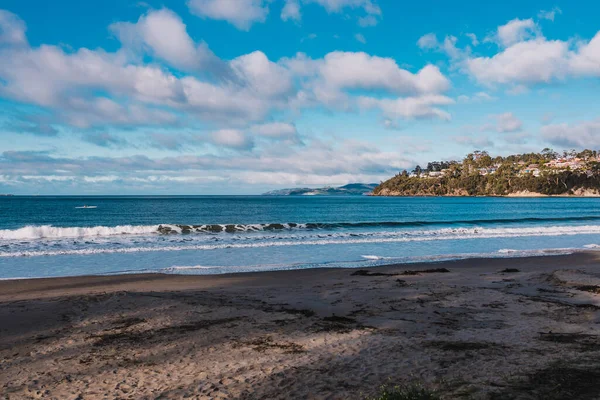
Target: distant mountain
(352, 189)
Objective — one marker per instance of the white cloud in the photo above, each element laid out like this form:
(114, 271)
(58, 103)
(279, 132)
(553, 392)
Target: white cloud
(475, 98)
(291, 11)
(516, 31)
(473, 38)
(347, 70)
(98, 89)
(165, 35)
(411, 107)
(579, 135)
(360, 38)
(549, 15)
(586, 59)
(533, 61)
(369, 6)
(263, 76)
(529, 58)
(428, 41)
(12, 29)
(277, 131)
(232, 138)
(448, 46)
(506, 122)
(240, 13)
(367, 21)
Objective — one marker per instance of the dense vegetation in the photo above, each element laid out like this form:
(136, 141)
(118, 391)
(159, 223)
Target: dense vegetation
(546, 173)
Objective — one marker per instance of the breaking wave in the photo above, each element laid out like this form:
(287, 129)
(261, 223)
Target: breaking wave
(53, 232)
(421, 235)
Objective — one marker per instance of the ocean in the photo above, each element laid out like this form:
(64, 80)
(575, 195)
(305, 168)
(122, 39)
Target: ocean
(43, 236)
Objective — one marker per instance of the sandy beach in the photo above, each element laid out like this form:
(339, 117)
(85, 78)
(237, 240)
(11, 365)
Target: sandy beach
(466, 329)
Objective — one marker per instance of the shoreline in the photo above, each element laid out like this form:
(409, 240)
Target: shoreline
(10, 286)
(457, 327)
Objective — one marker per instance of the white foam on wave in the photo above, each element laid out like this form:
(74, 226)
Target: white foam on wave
(394, 237)
(374, 258)
(185, 268)
(55, 232)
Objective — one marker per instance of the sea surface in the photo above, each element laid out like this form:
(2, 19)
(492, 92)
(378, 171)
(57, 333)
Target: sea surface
(50, 236)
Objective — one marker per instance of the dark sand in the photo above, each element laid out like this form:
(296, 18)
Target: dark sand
(473, 332)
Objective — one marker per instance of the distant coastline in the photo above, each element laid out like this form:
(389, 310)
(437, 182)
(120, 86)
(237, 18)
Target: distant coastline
(352, 189)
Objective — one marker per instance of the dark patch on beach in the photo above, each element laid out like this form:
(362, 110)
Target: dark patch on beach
(589, 288)
(339, 324)
(295, 311)
(461, 345)
(267, 343)
(341, 320)
(510, 270)
(426, 271)
(364, 272)
(143, 336)
(556, 382)
(125, 323)
(584, 341)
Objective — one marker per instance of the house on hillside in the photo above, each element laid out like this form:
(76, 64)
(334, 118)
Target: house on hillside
(533, 169)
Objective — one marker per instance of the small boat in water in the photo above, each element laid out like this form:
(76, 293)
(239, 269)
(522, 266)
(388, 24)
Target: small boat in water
(86, 206)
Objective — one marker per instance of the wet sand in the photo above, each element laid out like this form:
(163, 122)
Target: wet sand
(465, 329)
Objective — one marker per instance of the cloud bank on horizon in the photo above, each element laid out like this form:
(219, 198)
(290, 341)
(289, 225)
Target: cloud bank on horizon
(324, 96)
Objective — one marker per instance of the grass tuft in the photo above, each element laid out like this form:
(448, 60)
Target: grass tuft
(413, 391)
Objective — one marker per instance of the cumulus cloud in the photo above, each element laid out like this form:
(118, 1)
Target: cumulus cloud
(506, 122)
(347, 70)
(240, 13)
(448, 46)
(367, 21)
(528, 58)
(473, 38)
(164, 34)
(516, 30)
(428, 41)
(426, 106)
(478, 97)
(533, 61)
(549, 15)
(333, 80)
(334, 6)
(12, 29)
(360, 38)
(232, 138)
(277, 131)
(584, 134)
(291, 11)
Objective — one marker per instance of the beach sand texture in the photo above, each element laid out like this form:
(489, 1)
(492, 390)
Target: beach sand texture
(470, 332)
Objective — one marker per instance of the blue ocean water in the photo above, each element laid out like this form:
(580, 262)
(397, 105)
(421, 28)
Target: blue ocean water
(51, 236)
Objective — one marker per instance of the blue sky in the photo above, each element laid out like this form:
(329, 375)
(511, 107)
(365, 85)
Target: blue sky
(244, 96)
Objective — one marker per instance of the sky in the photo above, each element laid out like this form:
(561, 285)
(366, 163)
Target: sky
(245, 96)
